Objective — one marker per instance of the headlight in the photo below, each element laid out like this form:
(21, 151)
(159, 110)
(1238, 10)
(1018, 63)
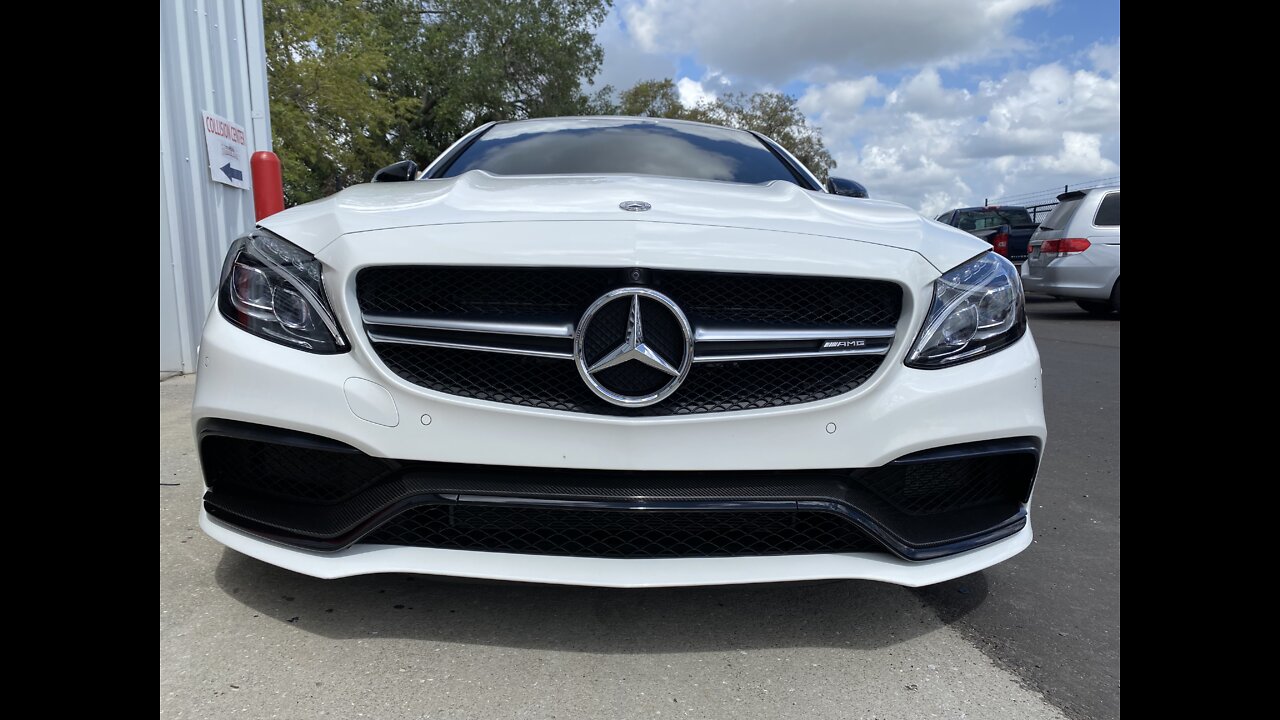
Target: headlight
(977, 309)
(273, 290)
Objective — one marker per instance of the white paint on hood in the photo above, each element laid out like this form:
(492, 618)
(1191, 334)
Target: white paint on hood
(478, 197)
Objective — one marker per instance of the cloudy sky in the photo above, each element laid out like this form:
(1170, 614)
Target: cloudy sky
(933, 103)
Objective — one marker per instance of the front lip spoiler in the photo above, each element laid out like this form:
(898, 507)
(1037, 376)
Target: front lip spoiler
(616, 573)
(864, 522)
(405, 485)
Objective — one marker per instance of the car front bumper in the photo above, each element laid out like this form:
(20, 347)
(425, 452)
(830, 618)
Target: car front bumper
(628, 573)
(352, 399)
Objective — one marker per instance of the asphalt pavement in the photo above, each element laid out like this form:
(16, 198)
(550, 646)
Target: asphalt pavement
(1035, 637)
(1051, 615)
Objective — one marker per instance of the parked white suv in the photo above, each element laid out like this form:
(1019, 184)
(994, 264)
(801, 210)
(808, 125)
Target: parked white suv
(1076, 252)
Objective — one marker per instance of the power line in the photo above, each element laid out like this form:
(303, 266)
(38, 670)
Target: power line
(1051, 194)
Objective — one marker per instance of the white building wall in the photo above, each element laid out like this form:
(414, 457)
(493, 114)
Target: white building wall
(211, 59)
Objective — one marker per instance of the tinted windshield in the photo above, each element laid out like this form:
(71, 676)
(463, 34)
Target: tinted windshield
(626, 146)
(993, 217)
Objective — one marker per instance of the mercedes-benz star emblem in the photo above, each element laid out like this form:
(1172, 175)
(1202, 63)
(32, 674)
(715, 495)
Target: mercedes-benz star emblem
(634, 205)
(626, 362)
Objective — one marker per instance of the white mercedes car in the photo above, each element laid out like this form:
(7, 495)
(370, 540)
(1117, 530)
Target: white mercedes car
(620, 352)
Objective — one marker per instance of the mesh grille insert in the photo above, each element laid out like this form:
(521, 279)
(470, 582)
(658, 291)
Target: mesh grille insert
(435, 290)
(555, 384)
(934, 487)
(785, 300)
(286, 471)
(723, 297)
(622, 534)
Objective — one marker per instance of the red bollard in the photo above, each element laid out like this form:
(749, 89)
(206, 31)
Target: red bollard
(268, 185)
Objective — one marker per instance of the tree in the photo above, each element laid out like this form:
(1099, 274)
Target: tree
(653, 98)
(776, 115)
(482, 60)
(770, 113)
(329, 117)
(357, 84)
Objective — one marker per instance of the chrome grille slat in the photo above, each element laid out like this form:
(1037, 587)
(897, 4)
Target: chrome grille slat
(380, 338)
(381, 330)
(496, 327)
(789, 354)
(766, 333)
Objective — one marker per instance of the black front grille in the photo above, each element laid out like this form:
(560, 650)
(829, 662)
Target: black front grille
(439, 290)
(785, 300)
(321, 494)
(555, 384)
(720, 297)
(564, 294)
(322, 471)
(621, 533)
(935, 487)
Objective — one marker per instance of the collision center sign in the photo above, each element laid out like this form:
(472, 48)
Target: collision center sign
(228, 151)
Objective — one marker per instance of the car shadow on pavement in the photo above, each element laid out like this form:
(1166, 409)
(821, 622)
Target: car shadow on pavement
(954, 599)
(577, 619)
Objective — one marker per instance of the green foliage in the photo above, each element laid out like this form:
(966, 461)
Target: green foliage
(770, 113)
(358, 84)
(329, 115)
(775, 115)
(483, 60)
(653, 98)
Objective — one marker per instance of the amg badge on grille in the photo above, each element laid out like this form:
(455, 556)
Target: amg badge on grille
(633, 347)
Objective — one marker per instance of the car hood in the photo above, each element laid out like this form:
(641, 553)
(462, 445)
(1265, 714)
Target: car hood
(478, 197)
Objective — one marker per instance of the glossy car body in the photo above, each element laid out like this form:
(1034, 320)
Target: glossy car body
(1089, 271)
(470, 446)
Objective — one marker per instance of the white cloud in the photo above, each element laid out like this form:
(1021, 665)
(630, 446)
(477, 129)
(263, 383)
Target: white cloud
(893, 88)
(935, 147)
(692, 92)
(925, 94)
(625, 62)
(1080, 155)
(772, 41)
(1030, 112)
(843, 97)
(1105, 58)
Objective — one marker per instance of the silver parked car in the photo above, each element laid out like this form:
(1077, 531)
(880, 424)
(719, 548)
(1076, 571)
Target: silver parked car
(1076, 252)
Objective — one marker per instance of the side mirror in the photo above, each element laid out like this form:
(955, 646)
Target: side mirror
(847, 188)
(397, 172)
